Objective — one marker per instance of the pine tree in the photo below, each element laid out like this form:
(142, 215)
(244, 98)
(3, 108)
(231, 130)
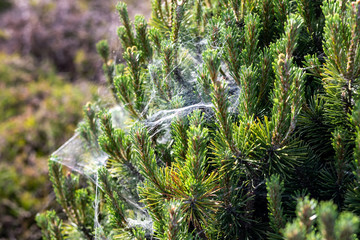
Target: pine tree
(244, 124)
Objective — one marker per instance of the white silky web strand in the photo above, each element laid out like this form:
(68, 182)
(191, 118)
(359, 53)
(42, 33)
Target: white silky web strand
(79, 157)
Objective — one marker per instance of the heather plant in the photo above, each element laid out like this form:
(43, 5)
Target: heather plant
(62, 32)
(239, 121)
(39, 111)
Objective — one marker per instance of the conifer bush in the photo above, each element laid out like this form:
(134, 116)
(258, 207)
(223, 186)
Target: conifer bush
(242, 123)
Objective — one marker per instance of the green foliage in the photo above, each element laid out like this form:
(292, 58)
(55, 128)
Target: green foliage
(4, 5)
(206, 166)
(51, 225)
(75, 201)
(330, 225)
(102, 48)
(275, 189)
(39, 112)
(76, 26)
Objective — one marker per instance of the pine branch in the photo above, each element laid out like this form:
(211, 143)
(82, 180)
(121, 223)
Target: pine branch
(115, 205)
(116, 144)
(144, 153)
(219, 97)
(288, 91)
(121, 7)
(275, 189)
(142, 37)
(50, 225)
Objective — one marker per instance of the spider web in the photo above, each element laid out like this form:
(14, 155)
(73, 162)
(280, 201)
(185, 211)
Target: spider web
(79, 157)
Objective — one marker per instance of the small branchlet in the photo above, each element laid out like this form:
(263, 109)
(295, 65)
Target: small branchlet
(205, 82)
(125, 93)
(145, 157)
(102, 48)
(275, 188)
(125, 33)
(197, 146)
(250, 53)
(178, 8)
(355, 120)
(268, 19)
(88, 128)
(212, 64)
(219, 97)
(156, 38)
(115, 143)
(266, 78)
(282, 9)
(57, 179)
(338, 143)
(133, 58)
(50, 225)
(176, 227)
(294, 231)
(115, 204)
(249, 95)
(232, 52)
(198, 16)
(179, 128)
(305, 211)
(327, 214)
(305, 9)
(142, 37)
(238, 9)
(288, 86)
(347, 225)
(352, 71)
(214, 28)
(356, 162)
(124, 40)
(168, 62)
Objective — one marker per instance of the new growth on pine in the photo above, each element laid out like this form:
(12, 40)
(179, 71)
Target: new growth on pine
(244, 123)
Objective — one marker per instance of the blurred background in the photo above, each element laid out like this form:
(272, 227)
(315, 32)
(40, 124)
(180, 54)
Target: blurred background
(49, 69)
